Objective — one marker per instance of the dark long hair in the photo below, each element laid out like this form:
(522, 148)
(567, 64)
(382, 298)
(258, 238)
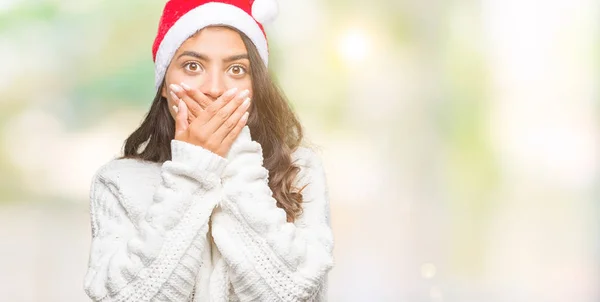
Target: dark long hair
(273, 124)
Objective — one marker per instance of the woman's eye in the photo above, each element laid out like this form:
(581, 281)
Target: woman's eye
(237, 70)
(192, 66)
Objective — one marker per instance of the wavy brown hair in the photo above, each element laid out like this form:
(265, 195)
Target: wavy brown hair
(273, 124)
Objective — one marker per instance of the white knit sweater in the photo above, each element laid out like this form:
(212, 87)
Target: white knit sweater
(204, 228)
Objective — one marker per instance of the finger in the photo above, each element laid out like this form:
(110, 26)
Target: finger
(173, 108)
(177, 93)
(181, 119)
(234, 133)
(197, 96)
(202, 122)
(213, 108)
(224, 113)
(232, 121)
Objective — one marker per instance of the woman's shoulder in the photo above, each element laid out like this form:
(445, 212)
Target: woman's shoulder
(133, 181)
(127, 170)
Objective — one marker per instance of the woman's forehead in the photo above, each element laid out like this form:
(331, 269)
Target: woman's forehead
(215, 41)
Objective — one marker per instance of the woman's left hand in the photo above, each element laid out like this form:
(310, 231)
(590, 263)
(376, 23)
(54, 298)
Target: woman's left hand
(193, 99)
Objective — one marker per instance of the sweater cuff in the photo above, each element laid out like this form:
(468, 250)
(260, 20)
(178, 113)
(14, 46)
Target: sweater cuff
(244, 136)
(196, 157)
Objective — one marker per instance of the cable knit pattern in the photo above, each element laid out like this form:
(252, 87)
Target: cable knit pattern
(139, 254)
(153, 227)
(270, 259)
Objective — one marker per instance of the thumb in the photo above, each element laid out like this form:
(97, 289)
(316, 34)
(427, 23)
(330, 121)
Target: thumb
(181, 119)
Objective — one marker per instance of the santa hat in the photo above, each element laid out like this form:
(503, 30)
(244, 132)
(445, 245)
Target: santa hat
(182, 18)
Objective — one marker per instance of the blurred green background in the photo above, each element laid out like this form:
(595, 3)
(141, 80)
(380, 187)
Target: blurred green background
(460, 138)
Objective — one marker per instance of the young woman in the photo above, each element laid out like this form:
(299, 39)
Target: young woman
(214, 199)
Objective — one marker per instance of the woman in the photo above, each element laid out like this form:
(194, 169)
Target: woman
(213, 200)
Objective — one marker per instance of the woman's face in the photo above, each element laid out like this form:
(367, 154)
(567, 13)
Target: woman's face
(213, 61)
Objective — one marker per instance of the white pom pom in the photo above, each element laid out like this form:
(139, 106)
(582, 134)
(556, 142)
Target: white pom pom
(264, 11)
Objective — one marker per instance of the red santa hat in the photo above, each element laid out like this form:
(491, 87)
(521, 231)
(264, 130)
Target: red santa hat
(182, 18)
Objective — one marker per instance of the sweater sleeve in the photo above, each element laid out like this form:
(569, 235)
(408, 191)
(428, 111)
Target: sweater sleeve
(270, 259)
(157, 256)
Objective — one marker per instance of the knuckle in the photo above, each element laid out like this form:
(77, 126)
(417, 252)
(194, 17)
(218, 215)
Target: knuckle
(200, 136)
(212, 146)
(211, 110)
(223, 114)
(229, 124)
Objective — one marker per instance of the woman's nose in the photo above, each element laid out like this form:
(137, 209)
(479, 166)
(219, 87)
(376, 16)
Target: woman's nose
(213, 85)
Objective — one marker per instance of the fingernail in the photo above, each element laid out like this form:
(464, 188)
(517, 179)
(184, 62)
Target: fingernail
(175, 88)
(246, 103)
(245, 117)
(174, 96)
(185, 86)
(175, 109)
(244, 93)
(231, 91)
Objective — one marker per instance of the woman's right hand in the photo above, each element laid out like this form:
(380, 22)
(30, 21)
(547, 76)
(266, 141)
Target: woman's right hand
(216, 127)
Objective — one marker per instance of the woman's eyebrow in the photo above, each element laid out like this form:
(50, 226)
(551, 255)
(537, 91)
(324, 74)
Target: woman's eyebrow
(236, 57)
(206, 58)
(193, 54)
(203, 57)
